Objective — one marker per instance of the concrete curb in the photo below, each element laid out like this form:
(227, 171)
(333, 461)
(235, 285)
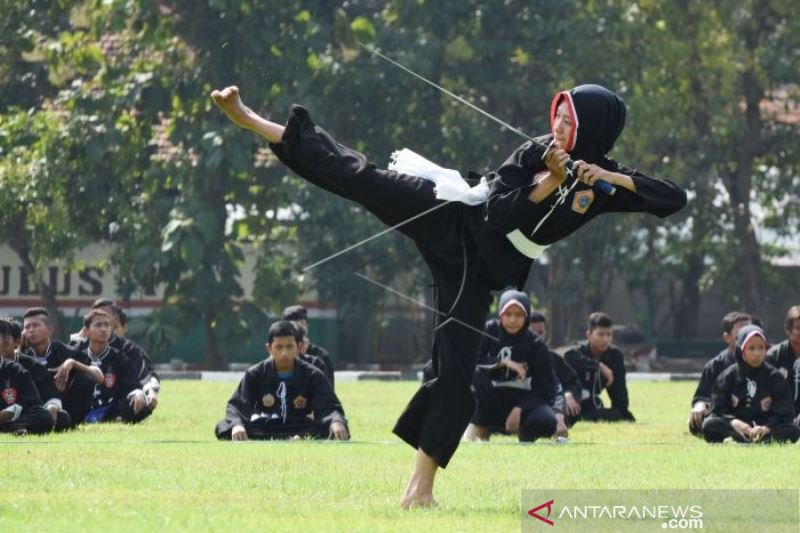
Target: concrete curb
(343, 376)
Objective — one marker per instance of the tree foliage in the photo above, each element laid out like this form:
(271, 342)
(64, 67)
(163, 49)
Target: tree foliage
(107, 134)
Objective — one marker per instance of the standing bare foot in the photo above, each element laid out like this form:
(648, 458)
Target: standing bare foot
(419, 492)
(410, 493)
(418, 500)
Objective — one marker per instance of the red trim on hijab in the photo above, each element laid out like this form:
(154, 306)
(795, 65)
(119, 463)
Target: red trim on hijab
(573, 115)
(513, 302)
(750, 336)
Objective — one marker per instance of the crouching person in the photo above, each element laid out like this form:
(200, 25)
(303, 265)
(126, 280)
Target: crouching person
(283, 397)
(751, 401)
(514, 383)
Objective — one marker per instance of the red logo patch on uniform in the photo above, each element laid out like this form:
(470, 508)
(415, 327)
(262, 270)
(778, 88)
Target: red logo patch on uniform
(110, 380)
(299, 403)
(766, 403)
(10, 395)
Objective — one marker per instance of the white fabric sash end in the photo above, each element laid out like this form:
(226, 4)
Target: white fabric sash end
(450, 186)
(525, 246)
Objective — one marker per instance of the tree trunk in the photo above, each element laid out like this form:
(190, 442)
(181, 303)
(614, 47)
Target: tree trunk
(20, 243)
(686, 304)
(739, 180)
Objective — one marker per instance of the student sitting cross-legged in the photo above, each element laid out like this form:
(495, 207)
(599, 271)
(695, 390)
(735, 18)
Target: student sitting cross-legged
(42, 377)
(751, 401)
(117, 395)
(701, 401)
(75, 387)
(786, 357)
(600, 365)
(283, 397)
(21, 408)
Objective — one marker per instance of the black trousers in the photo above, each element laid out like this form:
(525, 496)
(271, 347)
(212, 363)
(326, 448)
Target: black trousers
(77, 399)
(35, 420)
(439, 412)
(271, 430)
(718, 428)
(493, 405)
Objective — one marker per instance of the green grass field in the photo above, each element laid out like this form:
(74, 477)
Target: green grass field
(170, 474)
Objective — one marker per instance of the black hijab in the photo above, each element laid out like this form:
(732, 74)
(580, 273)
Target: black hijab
(599, 118)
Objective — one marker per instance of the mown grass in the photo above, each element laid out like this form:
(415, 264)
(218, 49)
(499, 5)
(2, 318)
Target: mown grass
(170, 474)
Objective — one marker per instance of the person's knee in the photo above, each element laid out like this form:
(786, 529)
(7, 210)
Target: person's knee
(715, 429)
(540, 424)
(63, 421)
(786, 433)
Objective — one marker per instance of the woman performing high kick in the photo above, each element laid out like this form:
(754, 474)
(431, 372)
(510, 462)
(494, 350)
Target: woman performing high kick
(473, 248)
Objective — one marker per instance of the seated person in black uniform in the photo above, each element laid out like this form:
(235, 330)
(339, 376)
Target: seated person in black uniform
(283, 397)
(701, 401)
(117, 396)
(786, 356)
(751, 401)
(77, 377)
(149, 381)
(599, 366)
(299, 314)
(42, 377)
(313, 360)
(21, 410)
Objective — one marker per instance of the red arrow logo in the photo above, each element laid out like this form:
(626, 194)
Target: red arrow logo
(544, 519)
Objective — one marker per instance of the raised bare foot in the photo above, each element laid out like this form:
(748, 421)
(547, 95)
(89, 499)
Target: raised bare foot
(231, 104)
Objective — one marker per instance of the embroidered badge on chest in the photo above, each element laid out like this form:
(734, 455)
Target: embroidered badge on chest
(299, 403)
(110, 380)
(766, 403)
(10, 395)
(582, 201)
(268, 400)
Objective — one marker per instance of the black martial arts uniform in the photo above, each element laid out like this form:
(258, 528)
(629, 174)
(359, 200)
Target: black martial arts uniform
(322, 353)
(272, 407)
(757, 396)
(711, 371)
(467, 248)
(76, 398)
(139, 361)
(318, 363)
(43, 381)
(782, 356)
(497, 390)
(111, 400)
(569, 382)
(18, 395)
(587, 367)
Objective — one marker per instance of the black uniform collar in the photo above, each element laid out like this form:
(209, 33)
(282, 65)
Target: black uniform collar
(101, 355)
(587, 350)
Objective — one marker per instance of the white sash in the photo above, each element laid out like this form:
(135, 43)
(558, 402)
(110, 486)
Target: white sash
(525, 246)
